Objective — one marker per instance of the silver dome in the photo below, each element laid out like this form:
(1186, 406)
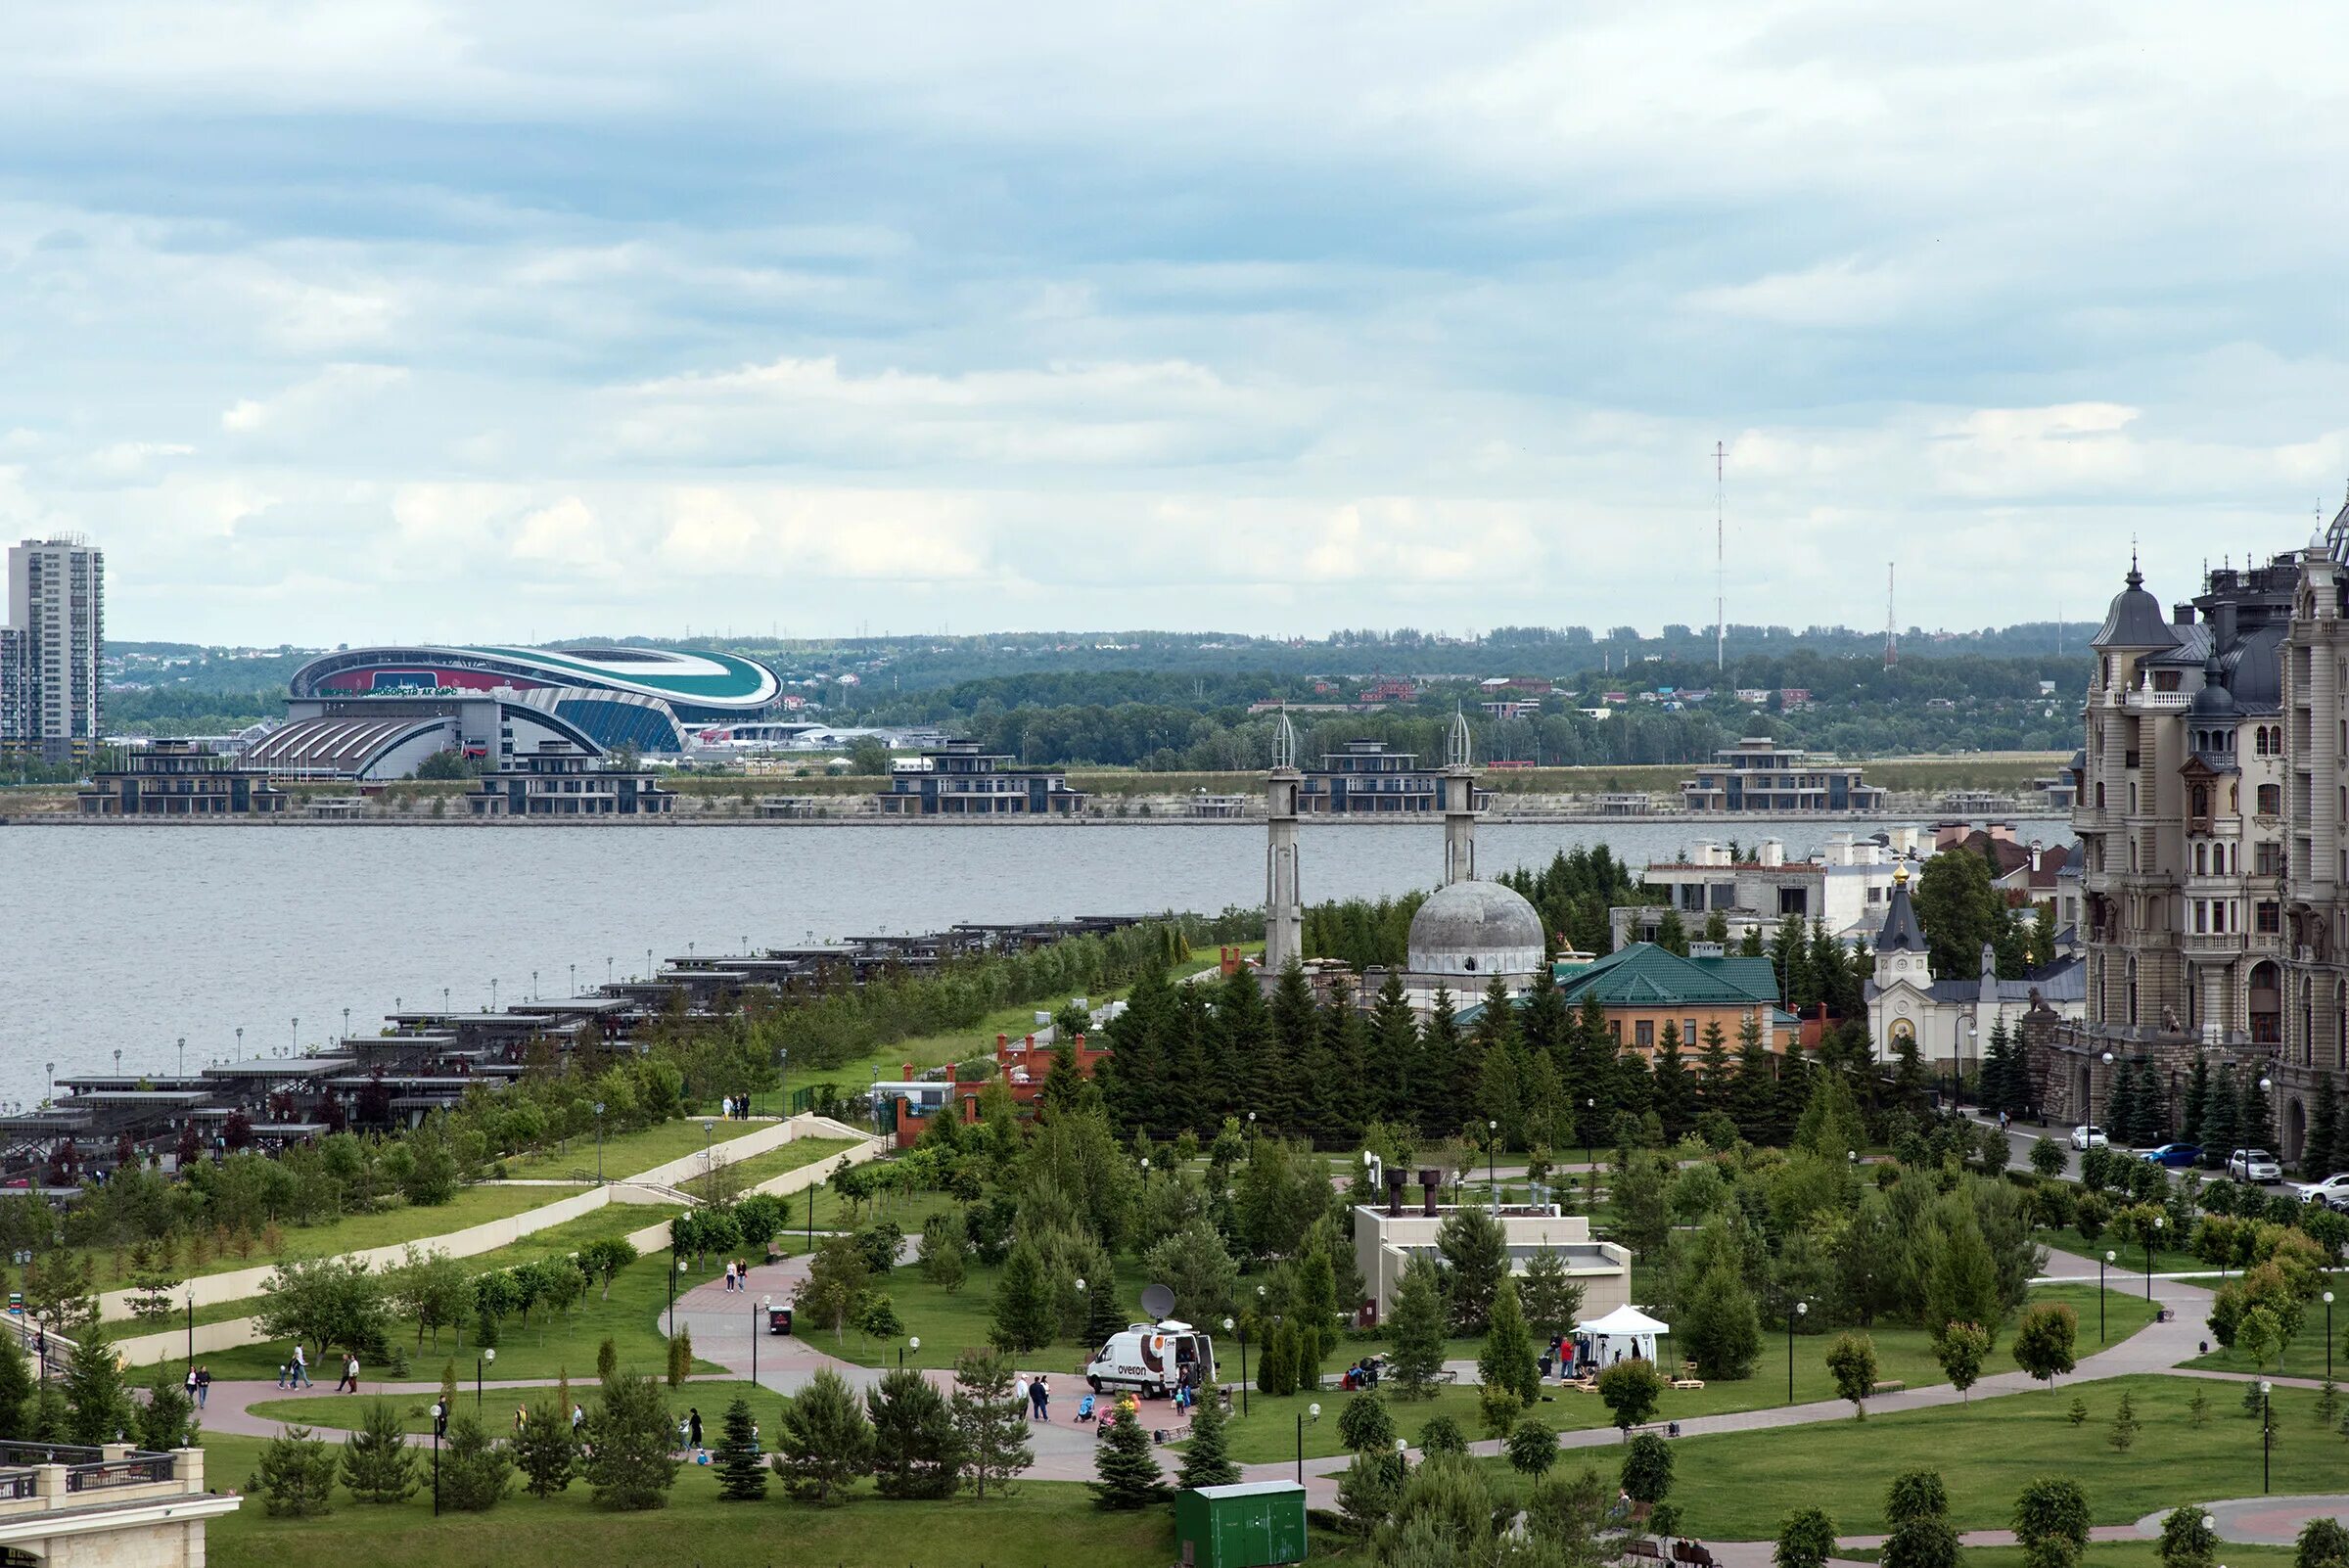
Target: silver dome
(1475, 929)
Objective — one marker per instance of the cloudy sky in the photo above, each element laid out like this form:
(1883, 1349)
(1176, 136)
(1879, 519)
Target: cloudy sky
(391, 318)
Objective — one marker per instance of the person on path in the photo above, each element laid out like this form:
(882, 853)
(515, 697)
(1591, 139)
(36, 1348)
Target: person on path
(301, 1367)
(1044, 1398)
(190, 1384)
(204, 1385)
(729, 1275)
(578, 1420)
(693, 1420)
(281, 1374)
(351, 1371)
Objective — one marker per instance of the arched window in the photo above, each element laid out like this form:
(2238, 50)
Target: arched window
(2201, 800)
(2131, 983)
(2201, 859)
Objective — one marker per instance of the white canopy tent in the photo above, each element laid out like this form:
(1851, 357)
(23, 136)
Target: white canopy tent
(1622, 1333)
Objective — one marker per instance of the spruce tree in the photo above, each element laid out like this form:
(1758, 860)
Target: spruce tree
(377, 1465)
(916, 1450)
(1754, 1086)
(2193, 1104)
(2120, 1101)
(1713, 1074)
(16, 1392)
(2219, 1133)
(1129, 1470)
(1207, 1460)
(1415, 1330)
(1022, 1313)
(1441, 1109)
(167, 1419)
(544, 1449)
(2255, 1121)
(2151, 1127)
(2320, 1156)
(1506, 1361)
(1389, 1078)
(988, 1418)
(1314, 1311)
(474, 1472)
(1674, 1094)
(741, 1468)
(1552, 1298)
(823, 1442)
(101, 1410)
(294, 1477)
(629, 1442)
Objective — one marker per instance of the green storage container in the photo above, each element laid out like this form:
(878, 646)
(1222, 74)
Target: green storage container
(1249, 1526)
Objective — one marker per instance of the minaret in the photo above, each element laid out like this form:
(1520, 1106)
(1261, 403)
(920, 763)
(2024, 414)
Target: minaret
(1284, 909)
(1456, 796)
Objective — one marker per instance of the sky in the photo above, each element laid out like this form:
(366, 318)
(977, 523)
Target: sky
(390, 319)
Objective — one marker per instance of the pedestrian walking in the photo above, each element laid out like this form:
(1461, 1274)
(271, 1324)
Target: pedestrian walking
(578, 1419)
(191, 1383)
(1044, 1398)
(729, 1275)
(693, 1421)
(204, 1385)
(281, 1374)
(301, 1367)
(351, 1371)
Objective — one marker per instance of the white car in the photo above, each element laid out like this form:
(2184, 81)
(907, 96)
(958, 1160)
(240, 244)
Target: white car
(2085, 1138)
(2332, 1191)
(2254, 1165)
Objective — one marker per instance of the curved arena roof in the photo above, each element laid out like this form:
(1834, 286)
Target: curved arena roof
(713, 682)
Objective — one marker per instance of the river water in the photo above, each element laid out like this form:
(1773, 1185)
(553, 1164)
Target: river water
(130, 937)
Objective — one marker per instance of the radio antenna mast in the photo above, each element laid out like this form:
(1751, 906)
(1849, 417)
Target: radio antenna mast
(1892, 647)
(1720, 619)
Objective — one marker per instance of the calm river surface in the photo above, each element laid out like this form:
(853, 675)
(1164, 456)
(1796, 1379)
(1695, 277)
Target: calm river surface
(131, 937)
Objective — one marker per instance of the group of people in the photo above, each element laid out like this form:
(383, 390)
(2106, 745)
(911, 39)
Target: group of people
(199, 1385)
(738, 1276)
(735, 1107)
(1038, 1393)
(293, 1373)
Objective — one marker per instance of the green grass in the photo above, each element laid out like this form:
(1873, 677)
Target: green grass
(2304, 1357)
(544, 1348)
(2129, 1259)
(1903, 1355)
(1039, 1525)
(740, 1176)
(628, 1154)
(330, 1411)
(2130, 1555)
(392, 1226)
(1735, 1486)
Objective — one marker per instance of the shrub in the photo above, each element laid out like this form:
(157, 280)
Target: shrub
(1852, 1359)
(741, 1469)
(1533, 1447)
(824, 1441)
(1363, 1425)
(1806, 1539)
(544, 1449)
(630, 1435)
(916, 1450)
(1441, 1435)
(295, 1478)
(1127, 1470)
(474, 1472)
(377, 1465)
(1631, 1389)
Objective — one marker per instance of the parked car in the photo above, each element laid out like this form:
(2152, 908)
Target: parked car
(2174, 1156)
(2085, 1138)
(2332, 1192)
(2254, 1165)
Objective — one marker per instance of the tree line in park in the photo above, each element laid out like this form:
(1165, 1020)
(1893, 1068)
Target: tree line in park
(1530, 1073)
(2219, 1109)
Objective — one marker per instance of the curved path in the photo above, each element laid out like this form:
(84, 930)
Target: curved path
(2261, 1521)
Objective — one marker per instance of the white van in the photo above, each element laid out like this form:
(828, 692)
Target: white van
(1154, 1359)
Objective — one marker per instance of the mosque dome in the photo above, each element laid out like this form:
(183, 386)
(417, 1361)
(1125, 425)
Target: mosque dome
(1475, 930)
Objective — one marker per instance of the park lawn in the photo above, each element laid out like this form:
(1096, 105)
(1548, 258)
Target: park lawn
(1039, 1525)
(2304, 1357)
(832, 1213)
(543, 1348)
(2128, 1258)
(628, 1154)
(740, 1176)
(556, 1241)
(967, 1044)
(391, 1226)
(1736, 1486)
(1903, 1355)
(949, 1323)
(2128, 1554)
(331, 1412)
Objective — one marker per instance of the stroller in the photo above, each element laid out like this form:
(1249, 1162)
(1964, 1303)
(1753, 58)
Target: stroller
(1084, 1408)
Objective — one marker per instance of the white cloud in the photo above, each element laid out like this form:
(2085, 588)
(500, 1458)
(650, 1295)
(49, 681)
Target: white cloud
(306, 404)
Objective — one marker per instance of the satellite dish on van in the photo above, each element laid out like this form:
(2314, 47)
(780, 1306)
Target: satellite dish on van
(1157, 1302)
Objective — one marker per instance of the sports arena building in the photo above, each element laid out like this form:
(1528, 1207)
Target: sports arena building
(648, 697)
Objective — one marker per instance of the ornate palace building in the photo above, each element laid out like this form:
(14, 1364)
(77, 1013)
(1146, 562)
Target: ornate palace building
(2213, 810)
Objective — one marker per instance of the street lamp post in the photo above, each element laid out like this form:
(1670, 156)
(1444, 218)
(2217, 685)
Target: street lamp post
(1228, 1326)
(599, 1143)
(2092, 1110)
(487, 1357)
(2110, 1257)
(758, 1329)
(672, 1296)
(183, 1056)
(2329, 1336)
(783, 1077)
(1801, 1309)
(1314, 1410)
(1492, 1165)
(2152, 1235)
(440, 1425)
(2267, 1432)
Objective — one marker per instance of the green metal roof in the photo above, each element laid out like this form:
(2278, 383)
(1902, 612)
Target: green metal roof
(1644, 975)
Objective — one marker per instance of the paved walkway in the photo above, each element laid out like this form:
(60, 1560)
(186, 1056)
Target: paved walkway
(2260, 1521)
(726, 1325)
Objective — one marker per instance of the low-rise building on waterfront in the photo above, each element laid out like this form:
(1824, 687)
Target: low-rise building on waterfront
(1757, 775)
(557, 780)
(961, 780)
(177, 778)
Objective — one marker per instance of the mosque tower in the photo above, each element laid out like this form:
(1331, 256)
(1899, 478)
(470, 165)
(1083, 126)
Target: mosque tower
(1284, 909)
(1455, 794)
